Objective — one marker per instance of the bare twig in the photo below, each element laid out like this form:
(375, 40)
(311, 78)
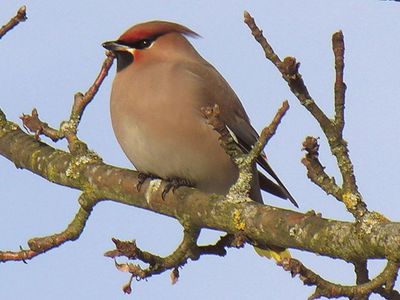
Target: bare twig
(33, 124)
(82, 100)
(268, 132)
(14, 21)
(43, 244)
(226, 241)
(188, 249)
(212, 114)
(316, 172)
(340, 86)
(289, 70)
(68, 129)
(333, 130)
(328, 289)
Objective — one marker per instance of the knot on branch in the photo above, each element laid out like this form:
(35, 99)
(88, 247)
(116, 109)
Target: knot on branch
(33, 124)
(290, 67)
(21, 14)
(311, 146)
(124, 248)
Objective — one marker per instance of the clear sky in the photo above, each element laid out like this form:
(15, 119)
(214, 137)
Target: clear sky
(58, 52)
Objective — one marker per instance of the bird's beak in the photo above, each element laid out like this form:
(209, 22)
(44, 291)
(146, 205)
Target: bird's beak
(114, 46)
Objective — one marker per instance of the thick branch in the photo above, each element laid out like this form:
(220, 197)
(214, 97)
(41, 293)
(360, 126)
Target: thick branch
(263, 224)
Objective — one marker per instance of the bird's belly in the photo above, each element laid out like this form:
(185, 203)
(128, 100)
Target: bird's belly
(184, 147)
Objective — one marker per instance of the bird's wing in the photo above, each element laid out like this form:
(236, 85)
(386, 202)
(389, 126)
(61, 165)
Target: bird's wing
(234, 116)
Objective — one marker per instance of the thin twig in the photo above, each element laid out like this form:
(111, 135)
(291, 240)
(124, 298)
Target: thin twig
(68, 129)
(316, 171)
(82, 100)
(268, 132)
(188, 249)
(33, 124)
(289, 69)
(340, 86)
(43, 244)
(212, 115)
(328, 289)
(14, 21)
(157, 265)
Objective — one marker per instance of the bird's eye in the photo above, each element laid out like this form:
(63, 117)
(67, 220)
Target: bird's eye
(142, 44)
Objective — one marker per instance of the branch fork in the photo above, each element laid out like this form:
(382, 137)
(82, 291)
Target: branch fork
(348, 193)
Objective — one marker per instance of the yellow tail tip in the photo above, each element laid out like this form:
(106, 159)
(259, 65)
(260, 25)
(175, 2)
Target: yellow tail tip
(278, 256)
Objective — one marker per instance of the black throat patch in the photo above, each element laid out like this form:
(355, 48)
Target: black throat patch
(124, 59)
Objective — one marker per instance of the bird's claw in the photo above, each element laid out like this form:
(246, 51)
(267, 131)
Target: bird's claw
(174, 183)
(142, 178)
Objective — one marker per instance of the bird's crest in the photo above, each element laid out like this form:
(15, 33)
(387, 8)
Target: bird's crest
(154, 29)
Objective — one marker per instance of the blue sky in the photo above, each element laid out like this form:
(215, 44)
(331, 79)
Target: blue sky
(58, 52)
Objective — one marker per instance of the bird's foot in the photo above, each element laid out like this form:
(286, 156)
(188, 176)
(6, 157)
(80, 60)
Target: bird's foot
(142, 178)
(174, 183)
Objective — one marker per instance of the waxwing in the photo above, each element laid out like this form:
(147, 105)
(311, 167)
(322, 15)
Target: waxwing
(160, 87)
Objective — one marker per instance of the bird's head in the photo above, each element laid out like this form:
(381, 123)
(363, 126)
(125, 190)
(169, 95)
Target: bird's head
(150, 40)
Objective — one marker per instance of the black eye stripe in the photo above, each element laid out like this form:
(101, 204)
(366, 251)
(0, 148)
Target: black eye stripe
(141, 44)
(144, 44)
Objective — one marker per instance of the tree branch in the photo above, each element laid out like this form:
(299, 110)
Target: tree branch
(333, 130)
(264, 224)
(327, 289)
(188, 249)
(43, 244)
(244, 161)
(340, 86)
(68, 129)
(316, 172)
(14, 21)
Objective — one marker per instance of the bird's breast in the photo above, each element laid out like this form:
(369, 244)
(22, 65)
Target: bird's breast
(157, 120)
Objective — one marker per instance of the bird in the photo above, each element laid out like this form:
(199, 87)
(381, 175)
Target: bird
(160, 88)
